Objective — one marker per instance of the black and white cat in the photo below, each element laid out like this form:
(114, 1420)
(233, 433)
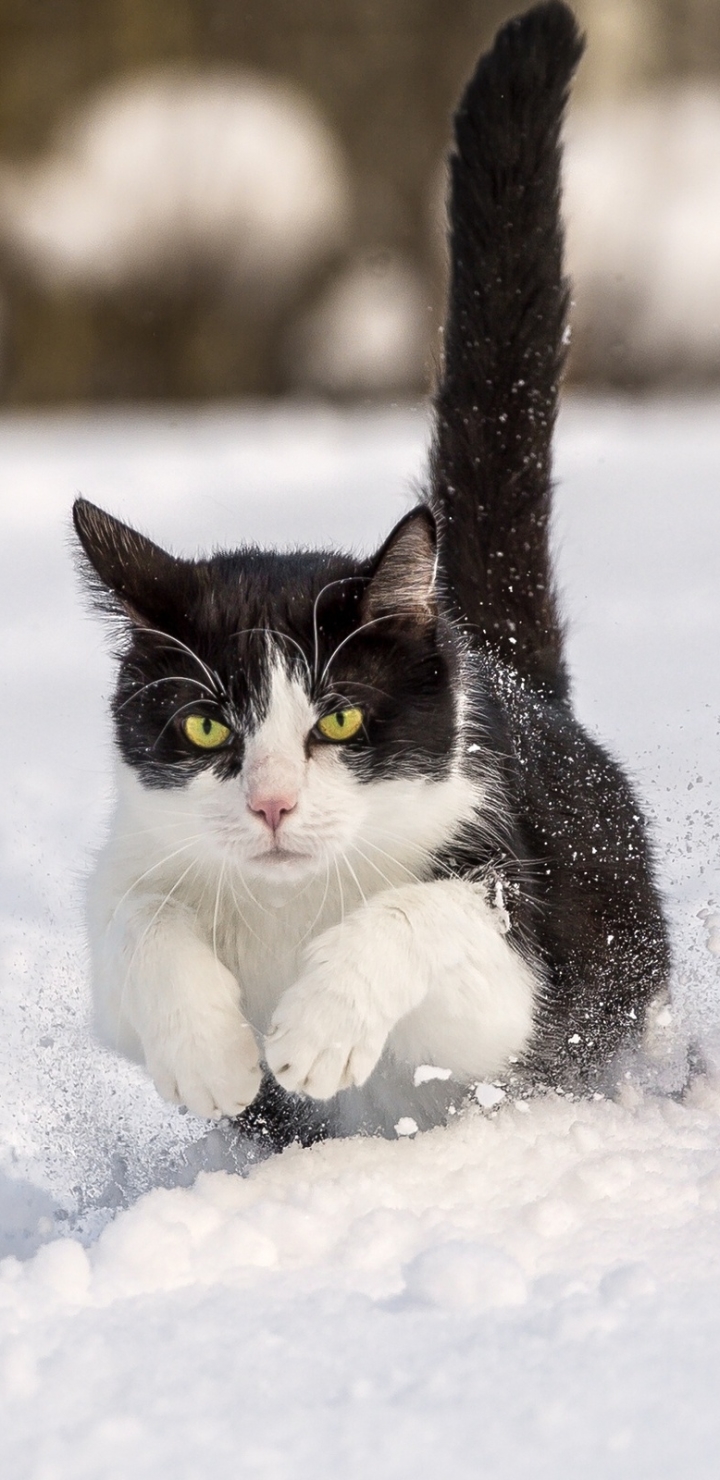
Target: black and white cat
(358, 828)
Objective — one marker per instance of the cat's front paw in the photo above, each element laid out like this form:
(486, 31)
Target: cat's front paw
(327, 1033)
(213, 1073)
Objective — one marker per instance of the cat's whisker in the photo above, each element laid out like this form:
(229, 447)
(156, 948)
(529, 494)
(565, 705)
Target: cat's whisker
(151, 870)
(284, 636)
(375, 867)
(250, 895)
(171, 678)
(172, 718)
(342, 581)
(354, 876)
(207, 886)
(432, 862)
(218, 893)
(214, 679)
(313, 923)
(151, 830)
(371, 687)
(405, 842)
(367, 844)
(182, 815)
(256, 902)
(374, 621)
(342, 896)
(139, 943)
(395, 861)
(259, 938)
(262, 940)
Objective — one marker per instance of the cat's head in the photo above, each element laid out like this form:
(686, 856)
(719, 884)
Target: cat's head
(290, 706)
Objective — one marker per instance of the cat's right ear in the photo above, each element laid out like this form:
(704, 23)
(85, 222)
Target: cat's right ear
(128, 575)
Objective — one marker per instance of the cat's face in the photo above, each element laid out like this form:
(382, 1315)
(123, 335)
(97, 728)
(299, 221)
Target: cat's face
(285, 709)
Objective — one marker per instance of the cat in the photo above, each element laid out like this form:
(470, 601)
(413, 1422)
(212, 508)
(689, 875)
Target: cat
(359, 831)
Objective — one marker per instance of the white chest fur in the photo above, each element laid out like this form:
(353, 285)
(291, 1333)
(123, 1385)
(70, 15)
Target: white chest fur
(206, 956)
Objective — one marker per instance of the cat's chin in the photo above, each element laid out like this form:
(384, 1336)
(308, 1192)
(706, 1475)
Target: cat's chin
(283, 863)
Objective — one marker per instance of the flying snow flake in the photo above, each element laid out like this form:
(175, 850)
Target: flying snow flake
(500, 907)
(406, 1126)
(488, 1095)
(425, 1072)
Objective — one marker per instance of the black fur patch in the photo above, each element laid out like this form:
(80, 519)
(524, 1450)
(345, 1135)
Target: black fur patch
(196, 640)
(505, 343)
(576, 839)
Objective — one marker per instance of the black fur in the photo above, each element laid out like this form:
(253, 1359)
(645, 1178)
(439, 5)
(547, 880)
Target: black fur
(196, 641)
(588, 901)
(566, 844)
(504, 342)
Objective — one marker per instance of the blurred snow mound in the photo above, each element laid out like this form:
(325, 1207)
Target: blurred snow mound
(169, 172)
(642, 200)
(367, 334)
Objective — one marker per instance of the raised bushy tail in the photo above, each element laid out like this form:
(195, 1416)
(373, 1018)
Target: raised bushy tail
(505, 342)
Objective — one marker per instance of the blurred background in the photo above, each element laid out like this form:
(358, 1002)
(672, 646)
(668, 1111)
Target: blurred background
(222, 198)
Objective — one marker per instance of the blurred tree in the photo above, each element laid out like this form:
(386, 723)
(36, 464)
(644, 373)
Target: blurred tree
(385, 73)
(691, 37)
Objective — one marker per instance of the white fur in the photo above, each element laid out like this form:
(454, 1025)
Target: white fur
(330, 934)
(424, 968)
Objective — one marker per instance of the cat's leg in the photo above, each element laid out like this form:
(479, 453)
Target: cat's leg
(427, 968)
(162, 996)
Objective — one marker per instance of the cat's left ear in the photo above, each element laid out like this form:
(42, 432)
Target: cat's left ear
(403, 579)
(127, 573)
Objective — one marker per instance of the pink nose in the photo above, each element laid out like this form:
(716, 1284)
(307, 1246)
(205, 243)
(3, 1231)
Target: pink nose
(273, 809)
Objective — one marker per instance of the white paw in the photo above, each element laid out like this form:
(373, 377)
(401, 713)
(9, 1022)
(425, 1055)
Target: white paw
(213, 1068)
(327, 1032)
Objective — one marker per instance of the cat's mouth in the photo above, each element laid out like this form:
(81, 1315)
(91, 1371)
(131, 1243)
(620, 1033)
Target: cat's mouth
(279, 855)
(273, 857)
(283, 855)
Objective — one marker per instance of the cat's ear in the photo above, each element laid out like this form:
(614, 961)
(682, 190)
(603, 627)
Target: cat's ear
(127, 573)
(402, 583)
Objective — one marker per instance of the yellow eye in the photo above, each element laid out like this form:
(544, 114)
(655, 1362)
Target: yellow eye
(341, 725)
(207, 733)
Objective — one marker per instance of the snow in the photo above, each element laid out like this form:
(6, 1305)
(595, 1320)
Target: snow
(489, 1095)
(424, 1073)
(368, 333)
(406, 1126)
(533, 1291)
(642, 186)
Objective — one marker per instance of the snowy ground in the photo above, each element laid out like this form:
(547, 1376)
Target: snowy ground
(532, 1292)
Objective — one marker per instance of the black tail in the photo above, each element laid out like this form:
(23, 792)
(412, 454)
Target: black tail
(505, 342)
